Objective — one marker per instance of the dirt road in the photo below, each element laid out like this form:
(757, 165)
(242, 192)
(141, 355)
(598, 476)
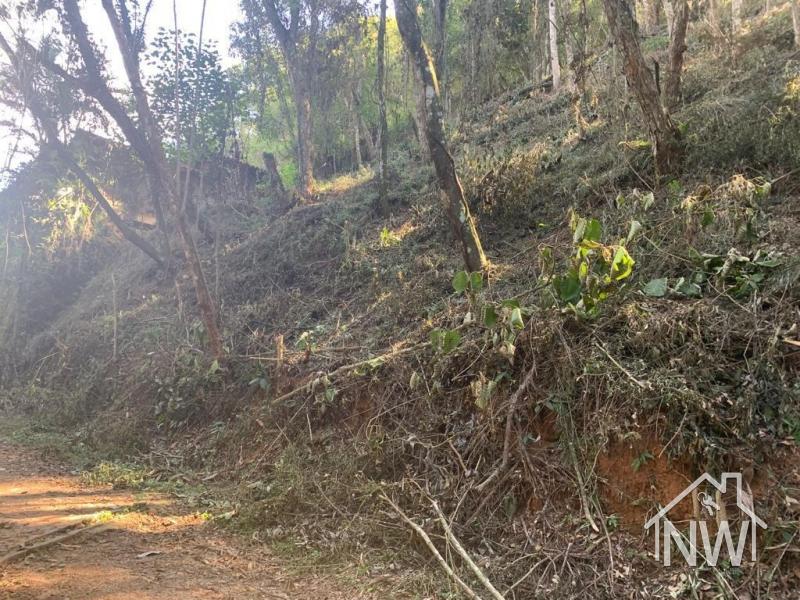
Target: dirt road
(60, 539)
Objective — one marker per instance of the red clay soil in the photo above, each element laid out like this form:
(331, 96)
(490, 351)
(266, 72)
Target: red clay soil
(150, 549)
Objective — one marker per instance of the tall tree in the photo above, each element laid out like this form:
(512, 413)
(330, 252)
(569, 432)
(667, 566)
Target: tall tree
(664, 135)
(555, 65)
(24, 68)
(677, 48)
(384, 126)
(458, 213)
(298, 39)
(130, 44)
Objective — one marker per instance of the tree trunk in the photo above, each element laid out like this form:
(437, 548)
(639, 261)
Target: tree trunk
(461, 222)
(579, 67)
(665, 137)
(125, 42)
(796, 22)
(51, 135)
(440, 48)
(305, 154)
(736, 15)
(677, 47)
(669, 13)
(713, 17)
(555, 66)
(420, 114)
(356, 137)
(383, 200)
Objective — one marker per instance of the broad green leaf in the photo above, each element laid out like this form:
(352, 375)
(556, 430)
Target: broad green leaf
(460, 281)
(451, 340)
(593, 230)
(437, 338)
(657, 288)
(568, 288)
(476, 281)
(687, 288)
(489, 315)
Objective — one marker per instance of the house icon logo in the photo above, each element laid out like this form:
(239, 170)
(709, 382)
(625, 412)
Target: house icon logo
(706, 494)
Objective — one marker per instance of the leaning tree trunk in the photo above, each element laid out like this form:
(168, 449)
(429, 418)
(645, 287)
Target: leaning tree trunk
(555, 66)
(665, 137)
(51, 135)
(383, 200)
(796, 22)
(159, 173)
(677, 47)
(458, 213)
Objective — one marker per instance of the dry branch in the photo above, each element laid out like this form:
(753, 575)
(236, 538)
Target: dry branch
(512, 409)
(463, 554)
(432, 547)
(23, 552)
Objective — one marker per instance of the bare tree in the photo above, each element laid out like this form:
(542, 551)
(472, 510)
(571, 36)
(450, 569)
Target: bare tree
(384, 127)
(677, 48)
(461, 221)
(664, 135)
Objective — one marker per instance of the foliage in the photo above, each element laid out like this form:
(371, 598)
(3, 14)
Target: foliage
(201, 109)
(596, 270)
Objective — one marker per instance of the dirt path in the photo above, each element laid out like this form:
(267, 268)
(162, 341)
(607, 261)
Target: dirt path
(149, 549)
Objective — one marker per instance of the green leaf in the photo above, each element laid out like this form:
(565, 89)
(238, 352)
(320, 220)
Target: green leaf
(656, 288)
(476, 281)
(593, 230)
(568, 288)
(516, 319)
(437, 338)
(489, 315)
(708, 218)
(579, 229)
(460, 281)
(687, 288)
(451, 341)
(636, 227)
(330, 394)
(622, 265)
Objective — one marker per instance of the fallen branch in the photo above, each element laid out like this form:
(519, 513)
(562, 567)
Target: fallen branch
(512, 409)
(371, 362)
(463, 554)
(643, 385)
(18, 554)
(425, 538)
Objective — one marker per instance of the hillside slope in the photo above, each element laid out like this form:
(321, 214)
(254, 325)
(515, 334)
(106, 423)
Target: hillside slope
(547, 419)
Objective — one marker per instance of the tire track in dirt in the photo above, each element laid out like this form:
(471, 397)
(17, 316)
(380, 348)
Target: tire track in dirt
(151, 549)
